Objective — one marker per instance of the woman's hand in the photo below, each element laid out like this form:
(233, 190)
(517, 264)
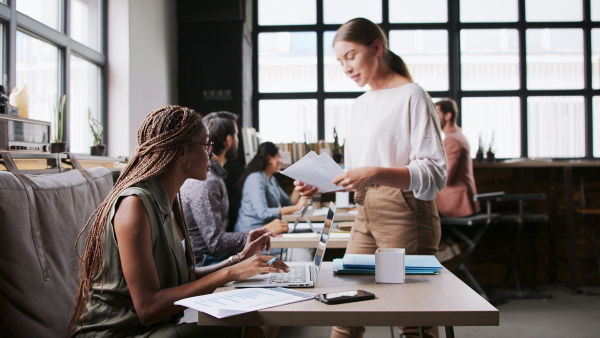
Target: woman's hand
(356, 179)
(302, 202)
(258, 240)
(257, 265)
(306, 190)
(277, 226)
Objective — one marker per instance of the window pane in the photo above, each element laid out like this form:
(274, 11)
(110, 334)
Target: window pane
(37, 68)
(340, 11)
(596, 121)
(497, 116)
(488, 10)
(285, 121)
(85, 22)
(426, 55)
(556, 126)
(489, 59)
(85, 94)
(553, 10)
(554, 58)
(595, 10)
(287, 62)
(44, 11)
(337, 114)
(404, 11)
(596, 58)
(335, 78)
(287, 12)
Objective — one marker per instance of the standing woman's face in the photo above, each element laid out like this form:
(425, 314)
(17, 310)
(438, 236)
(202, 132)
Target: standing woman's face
(198, 152)
(358, 61)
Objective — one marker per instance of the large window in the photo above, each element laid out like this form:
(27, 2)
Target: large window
(525, 73)
(48, 63)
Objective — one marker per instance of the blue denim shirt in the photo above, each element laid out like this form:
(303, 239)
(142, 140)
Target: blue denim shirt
(261, 200)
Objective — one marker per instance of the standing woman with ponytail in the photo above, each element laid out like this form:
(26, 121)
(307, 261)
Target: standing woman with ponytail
(394, 153)
(138, 259)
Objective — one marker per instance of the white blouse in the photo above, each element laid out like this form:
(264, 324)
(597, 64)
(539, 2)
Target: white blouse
(399, 127)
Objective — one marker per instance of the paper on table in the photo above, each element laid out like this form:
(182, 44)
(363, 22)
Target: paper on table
(235, 302)
(318, 171)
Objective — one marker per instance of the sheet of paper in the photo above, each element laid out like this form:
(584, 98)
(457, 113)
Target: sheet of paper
(317, 171)
(238, 301)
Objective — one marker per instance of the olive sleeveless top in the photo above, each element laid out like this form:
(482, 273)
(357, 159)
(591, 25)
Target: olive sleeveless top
(110, 311)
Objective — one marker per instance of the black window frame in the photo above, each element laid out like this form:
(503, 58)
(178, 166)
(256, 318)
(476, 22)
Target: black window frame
(454, 27)
(13, 21)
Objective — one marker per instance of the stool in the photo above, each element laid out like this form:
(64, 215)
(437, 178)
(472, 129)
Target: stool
(520, 218)
(481, 220)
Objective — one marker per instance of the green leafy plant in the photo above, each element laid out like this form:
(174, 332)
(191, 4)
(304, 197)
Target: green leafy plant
(491, 145)
(59, 119)
(336, 143)
(96, 128)
(481, 146)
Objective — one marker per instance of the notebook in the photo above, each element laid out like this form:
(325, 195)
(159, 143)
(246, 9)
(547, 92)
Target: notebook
(302, 274)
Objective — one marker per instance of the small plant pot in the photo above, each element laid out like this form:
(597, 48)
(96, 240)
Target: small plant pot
(490, 157)
(479, 157)
(58, 147)
(338, 158)
(98, 150)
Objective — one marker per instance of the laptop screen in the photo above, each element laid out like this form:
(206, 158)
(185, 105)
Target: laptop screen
(302, 213)
(322, 245)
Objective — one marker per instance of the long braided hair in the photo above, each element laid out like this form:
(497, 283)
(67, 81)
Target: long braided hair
(161, 138)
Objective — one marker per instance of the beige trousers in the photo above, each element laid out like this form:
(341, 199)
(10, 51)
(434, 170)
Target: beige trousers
(392, 218)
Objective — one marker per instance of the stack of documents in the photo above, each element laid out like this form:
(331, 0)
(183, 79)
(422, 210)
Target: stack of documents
(365, 265)
(316, 170)
(238, 301)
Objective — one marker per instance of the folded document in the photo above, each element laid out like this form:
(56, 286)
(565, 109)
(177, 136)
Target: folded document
(238, 301)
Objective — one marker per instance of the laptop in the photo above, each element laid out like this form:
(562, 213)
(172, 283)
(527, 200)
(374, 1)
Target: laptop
(296, 229)
(302, 274)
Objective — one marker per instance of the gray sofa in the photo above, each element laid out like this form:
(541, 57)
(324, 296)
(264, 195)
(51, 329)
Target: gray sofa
(39, 222)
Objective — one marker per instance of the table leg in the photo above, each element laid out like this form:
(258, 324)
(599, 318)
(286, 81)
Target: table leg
(570, 218)
(449, 331)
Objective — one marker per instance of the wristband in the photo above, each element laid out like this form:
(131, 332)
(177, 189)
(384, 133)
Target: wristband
(230, 261)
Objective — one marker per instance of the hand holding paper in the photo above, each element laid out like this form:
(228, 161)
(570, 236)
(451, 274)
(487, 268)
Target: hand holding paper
(316, 170)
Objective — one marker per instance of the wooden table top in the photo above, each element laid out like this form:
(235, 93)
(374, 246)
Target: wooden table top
(305, 241)
(423, 300)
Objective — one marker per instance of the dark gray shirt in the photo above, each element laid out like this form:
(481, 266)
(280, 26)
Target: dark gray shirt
(206, 208)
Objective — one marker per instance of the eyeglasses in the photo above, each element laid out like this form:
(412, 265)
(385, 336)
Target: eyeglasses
(209, 146)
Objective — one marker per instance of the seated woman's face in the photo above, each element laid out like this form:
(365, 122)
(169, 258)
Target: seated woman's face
(274, 164)
(199, 153)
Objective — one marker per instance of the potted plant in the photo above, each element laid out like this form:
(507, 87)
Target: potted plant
(58, 144)
(337, 150)
(490, 156)
(98, 149)
(479, 155)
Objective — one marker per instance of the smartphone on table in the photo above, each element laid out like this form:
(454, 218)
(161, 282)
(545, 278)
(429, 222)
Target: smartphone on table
(344, 296)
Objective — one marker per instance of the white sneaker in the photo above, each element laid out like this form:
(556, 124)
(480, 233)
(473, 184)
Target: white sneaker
(444, 255)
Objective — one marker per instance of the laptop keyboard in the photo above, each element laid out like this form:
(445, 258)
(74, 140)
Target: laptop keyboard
(297, 274)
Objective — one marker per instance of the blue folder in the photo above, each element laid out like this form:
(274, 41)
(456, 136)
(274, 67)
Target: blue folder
(340, 268)
(425, 262)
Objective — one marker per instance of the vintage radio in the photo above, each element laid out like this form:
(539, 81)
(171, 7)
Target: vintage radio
(21, 134)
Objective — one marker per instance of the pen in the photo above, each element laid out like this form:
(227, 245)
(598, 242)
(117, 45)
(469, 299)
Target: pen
(272, 260)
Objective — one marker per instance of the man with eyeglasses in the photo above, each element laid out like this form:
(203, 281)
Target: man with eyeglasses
(206, 203)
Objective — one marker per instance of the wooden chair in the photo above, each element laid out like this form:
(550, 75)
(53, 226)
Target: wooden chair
(588, 208)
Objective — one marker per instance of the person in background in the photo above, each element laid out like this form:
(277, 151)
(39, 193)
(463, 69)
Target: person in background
(137, 260)
(206, 202)
(263, 200)
(394, 154)
(456, 199)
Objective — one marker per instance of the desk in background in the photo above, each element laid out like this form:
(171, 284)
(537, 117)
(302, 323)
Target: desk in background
(336, 241)
(340, 216)
(567, 167)
(423, 300)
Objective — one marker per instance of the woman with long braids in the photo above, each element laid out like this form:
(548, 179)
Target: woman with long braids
(263, 200)
(137, 259)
